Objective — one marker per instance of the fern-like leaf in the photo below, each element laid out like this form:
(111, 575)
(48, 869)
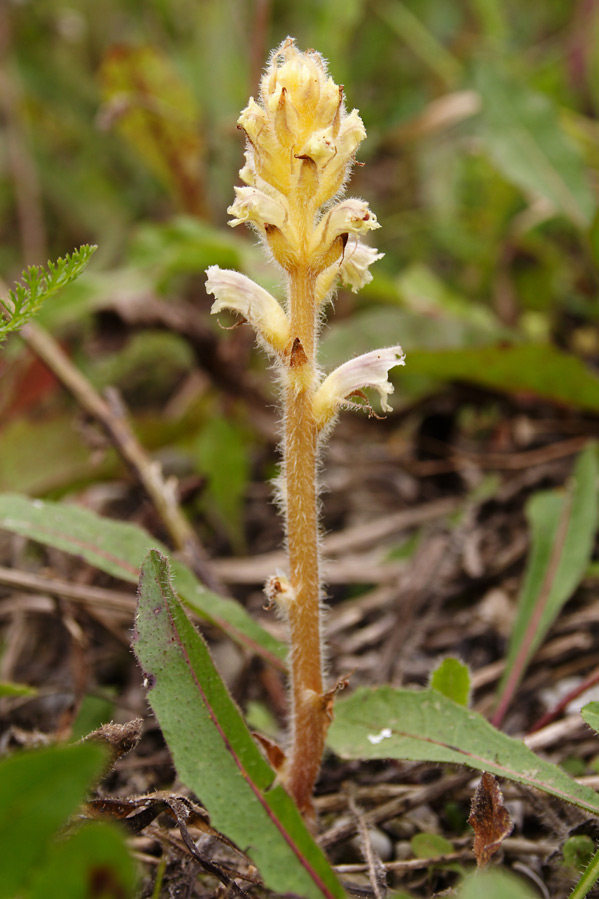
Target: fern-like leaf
(37, 284)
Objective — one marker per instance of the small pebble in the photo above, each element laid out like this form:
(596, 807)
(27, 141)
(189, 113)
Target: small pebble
(381, 844)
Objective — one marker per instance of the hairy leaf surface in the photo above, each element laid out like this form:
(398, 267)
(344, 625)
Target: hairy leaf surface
(213, 750)
(424, 725)
(38, 792)
(563, 525)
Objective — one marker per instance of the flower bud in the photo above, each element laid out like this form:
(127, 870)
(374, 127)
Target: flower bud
(369, 370)
(279, 592)
(349, 134)
(256, 207)
(349, 217)
(248, 172)
(351, 269)
(357, 258)
(285, 117)
(240, 294)
(299, 116)
(253, 121)
(331, 104)
(302, 75)
(320, 147)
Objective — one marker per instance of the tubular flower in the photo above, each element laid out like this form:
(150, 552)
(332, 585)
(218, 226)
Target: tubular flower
(369, 370)
(238, 293)
(357, 258)
(349, 217)
(352, 269)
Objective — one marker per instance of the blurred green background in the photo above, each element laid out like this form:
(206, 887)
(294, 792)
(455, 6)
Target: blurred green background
(118, 127)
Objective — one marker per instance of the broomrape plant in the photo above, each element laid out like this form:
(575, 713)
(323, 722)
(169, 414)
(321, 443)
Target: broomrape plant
(301, 144)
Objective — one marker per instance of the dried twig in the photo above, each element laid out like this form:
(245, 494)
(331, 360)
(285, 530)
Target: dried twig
(399, 805)
(351, 568)
(110, 414)
(96, 597)
(456, 460)
(374, 865)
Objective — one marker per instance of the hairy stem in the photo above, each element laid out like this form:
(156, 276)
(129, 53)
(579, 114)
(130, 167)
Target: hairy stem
(300, 446)
(301, 143)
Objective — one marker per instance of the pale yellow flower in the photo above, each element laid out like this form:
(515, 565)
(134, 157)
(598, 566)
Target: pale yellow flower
(238, 293)
(369, 370)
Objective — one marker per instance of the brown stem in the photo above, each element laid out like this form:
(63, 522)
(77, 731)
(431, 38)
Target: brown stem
(309, 717)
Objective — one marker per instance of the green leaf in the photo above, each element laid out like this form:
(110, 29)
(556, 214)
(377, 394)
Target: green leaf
(589, 878)
(118, 549)
(523, 135)
(578, 851)
(212, 748)
(149, 365)
(222, 456)
(94, 857)
(39, 790)
(425, 726)
(494, 884)
(332, 27)
(9, 689)
(20, 468)
(428, 845)
(183, 244)
(452, 679)
(419, 39)
(538, 369)
(563, 528)
(492, 18)
(94, 711)
(414, 328)
(447, 347)
(37, 284)
(424, 293)
(590, 713)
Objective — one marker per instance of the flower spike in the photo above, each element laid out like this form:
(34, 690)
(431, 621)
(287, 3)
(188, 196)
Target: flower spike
(300, 147)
